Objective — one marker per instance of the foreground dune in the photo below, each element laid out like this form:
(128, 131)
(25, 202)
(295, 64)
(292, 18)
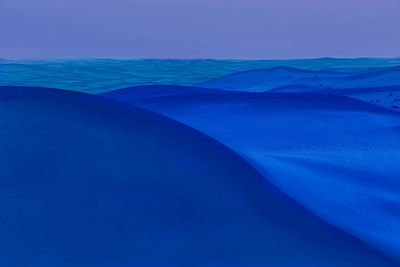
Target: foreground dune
(337, 156)
(87, 181)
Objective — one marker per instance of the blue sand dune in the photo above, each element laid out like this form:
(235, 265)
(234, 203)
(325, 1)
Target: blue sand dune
(100, 75)
(388, 97)
(87, 181)
(382, 78)
(149, 91)
(267, 79)
(262, 80)
(337, 156)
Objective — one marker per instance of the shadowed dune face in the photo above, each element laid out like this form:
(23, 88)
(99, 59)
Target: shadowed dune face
(86, 180)
(337, 156)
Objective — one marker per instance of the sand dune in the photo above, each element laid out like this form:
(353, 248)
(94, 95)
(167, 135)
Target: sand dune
(262, 80)
(89, 181)
(337, 156)
(283, 167)
(266, 79)
(387, 97)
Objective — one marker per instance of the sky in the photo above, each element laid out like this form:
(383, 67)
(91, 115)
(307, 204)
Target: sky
(246, 29)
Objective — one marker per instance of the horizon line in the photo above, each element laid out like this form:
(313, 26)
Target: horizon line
(191, 59)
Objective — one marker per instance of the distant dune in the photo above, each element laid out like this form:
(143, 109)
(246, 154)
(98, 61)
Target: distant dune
(266, 79)
(262, 80)
(102, 75)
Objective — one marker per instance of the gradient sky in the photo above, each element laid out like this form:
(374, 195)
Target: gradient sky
(199, 28)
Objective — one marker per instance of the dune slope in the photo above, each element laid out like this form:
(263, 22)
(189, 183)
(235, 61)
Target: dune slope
(88, 181)
(337, 156)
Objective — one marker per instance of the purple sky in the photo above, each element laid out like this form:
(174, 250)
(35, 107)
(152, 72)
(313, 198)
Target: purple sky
(199, 28)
